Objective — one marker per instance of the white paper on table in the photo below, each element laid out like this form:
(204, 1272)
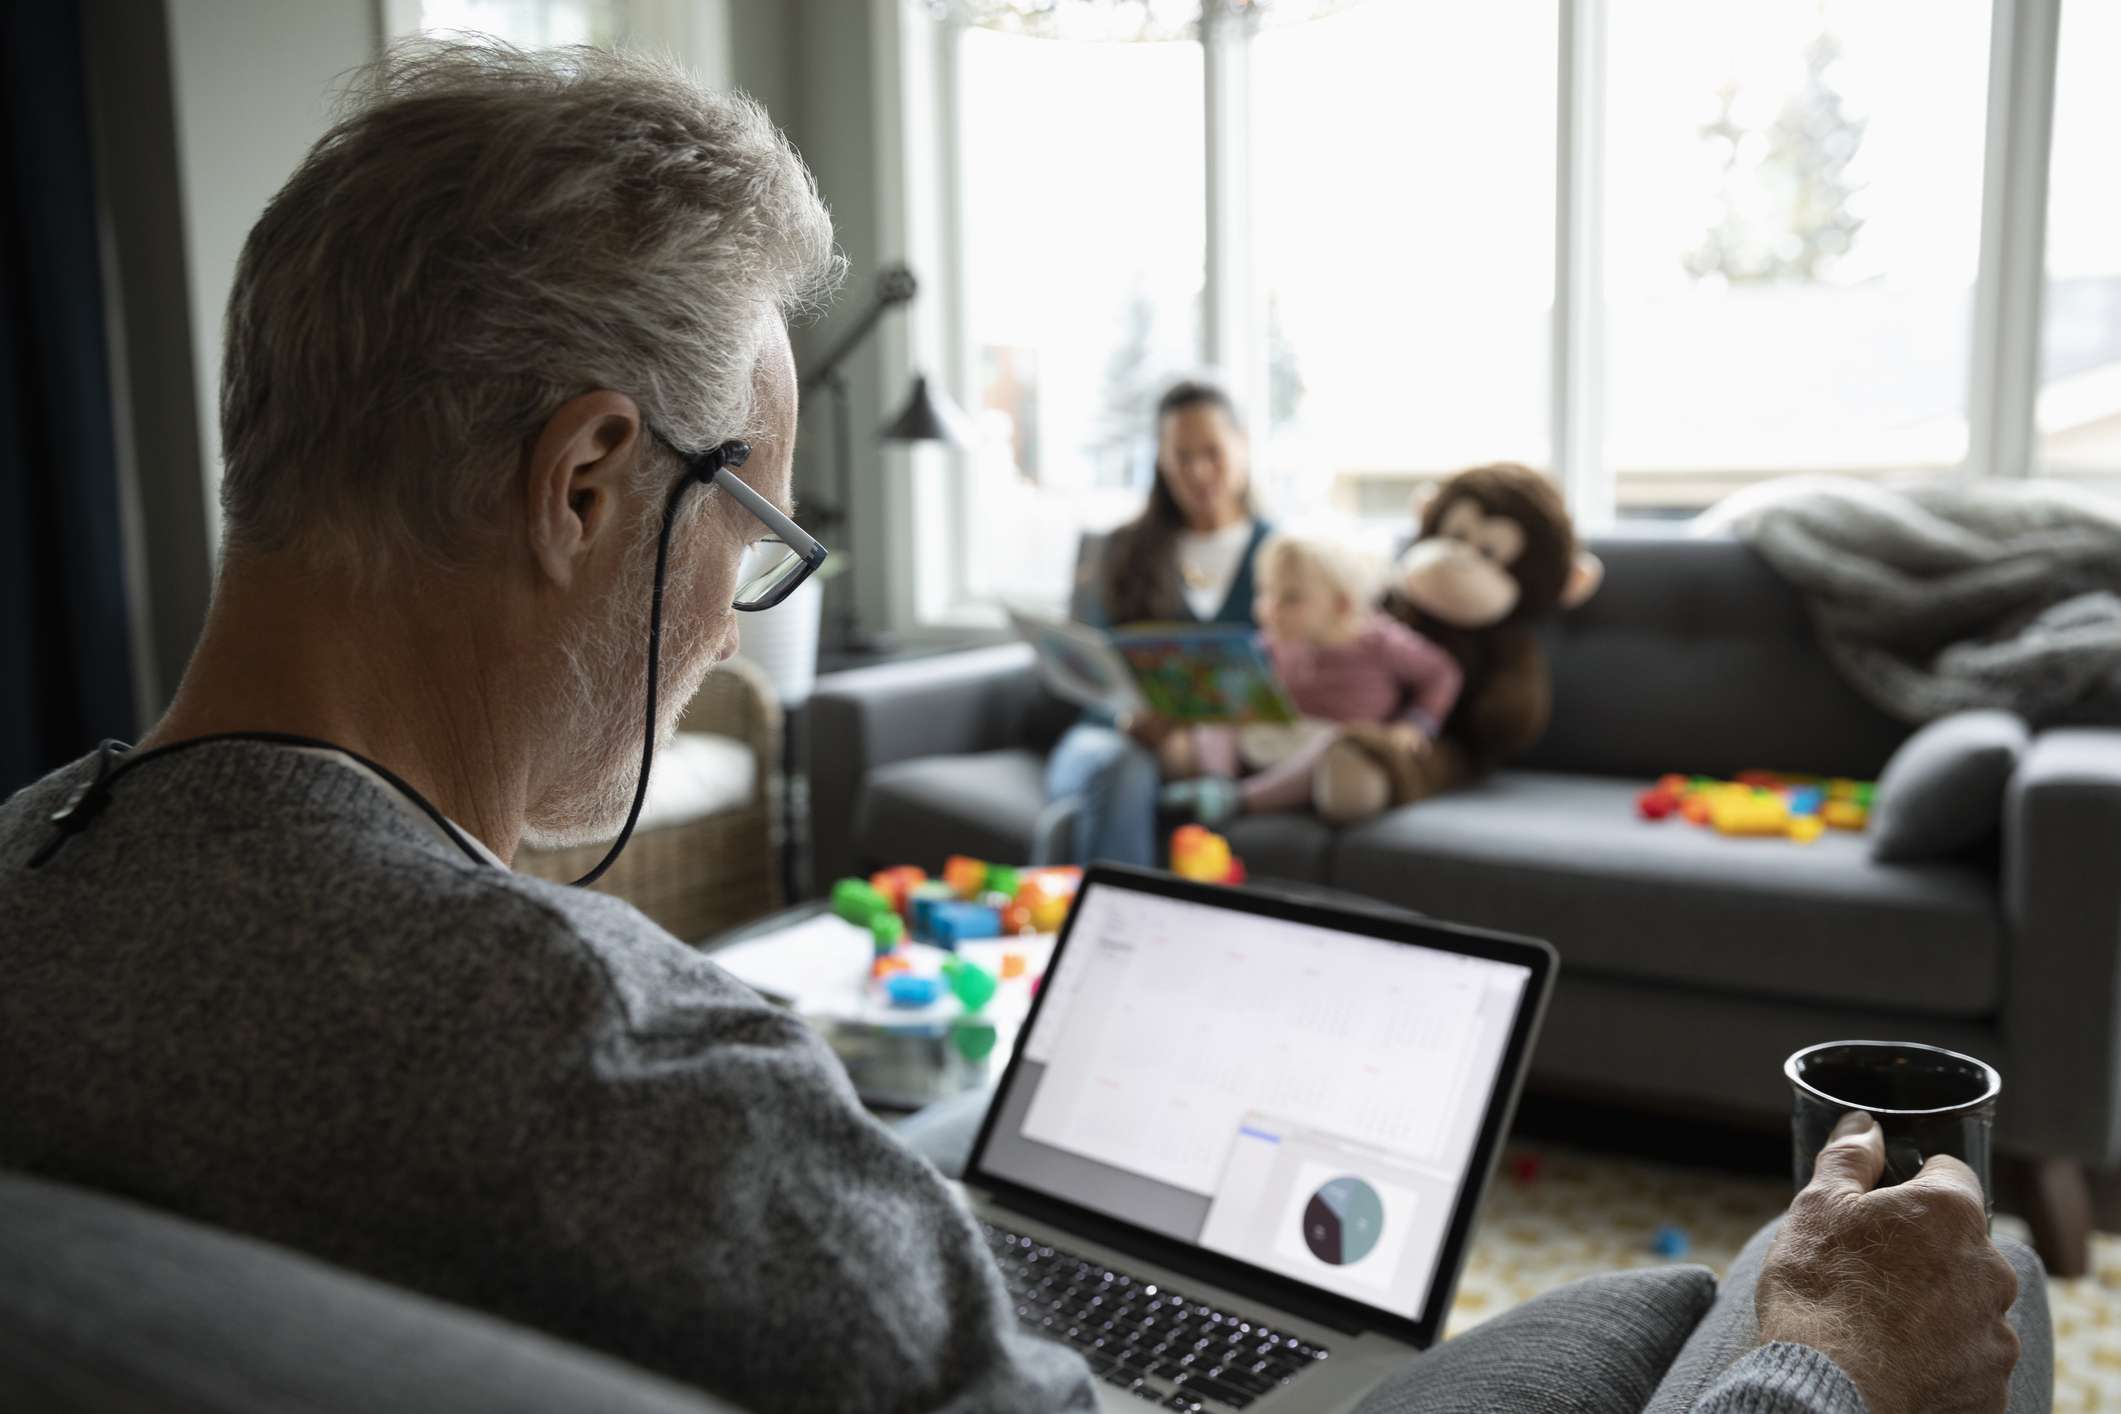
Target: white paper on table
(820, 969)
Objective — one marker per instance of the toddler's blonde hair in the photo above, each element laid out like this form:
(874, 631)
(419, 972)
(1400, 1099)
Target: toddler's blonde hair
(1339, 566)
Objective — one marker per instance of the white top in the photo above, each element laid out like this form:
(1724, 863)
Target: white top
(1207, 563)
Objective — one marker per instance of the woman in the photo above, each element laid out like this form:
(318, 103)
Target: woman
(1187, 558)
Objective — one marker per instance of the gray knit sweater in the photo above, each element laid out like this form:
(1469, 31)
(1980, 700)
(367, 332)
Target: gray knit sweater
(259, 992)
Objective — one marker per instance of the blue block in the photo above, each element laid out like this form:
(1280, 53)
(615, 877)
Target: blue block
(1806, 800)
(920, 910)
(908, 990)
(1669, 1242)
(952, 923)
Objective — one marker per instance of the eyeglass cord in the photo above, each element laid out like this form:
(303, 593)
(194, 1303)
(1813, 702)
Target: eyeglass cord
(86, 803)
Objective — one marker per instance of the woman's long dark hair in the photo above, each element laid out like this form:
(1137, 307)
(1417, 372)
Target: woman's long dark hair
(1140, 562)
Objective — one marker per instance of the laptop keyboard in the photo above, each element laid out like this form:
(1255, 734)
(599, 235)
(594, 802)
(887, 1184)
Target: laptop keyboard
(1175, 1352)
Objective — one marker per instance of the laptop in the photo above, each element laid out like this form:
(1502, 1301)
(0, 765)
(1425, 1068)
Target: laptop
(1237, 1156)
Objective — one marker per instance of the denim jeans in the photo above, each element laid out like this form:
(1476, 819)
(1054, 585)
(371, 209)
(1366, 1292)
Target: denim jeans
(1115, 779)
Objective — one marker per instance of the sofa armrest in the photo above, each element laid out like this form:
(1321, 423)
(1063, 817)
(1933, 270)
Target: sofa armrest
(981, 700)
(2062, 899)
(736, 700)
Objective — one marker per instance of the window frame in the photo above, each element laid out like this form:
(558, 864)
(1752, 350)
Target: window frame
(2004, 372)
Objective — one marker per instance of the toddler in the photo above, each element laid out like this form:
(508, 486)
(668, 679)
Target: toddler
(1342, 662)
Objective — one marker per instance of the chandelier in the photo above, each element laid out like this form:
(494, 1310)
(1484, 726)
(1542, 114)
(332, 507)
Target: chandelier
(1122, 21)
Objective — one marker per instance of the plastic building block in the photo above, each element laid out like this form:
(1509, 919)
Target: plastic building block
(974, 1037)
(1743, 813)
(887, 930)
(888, 964)
(1845, 815)
(1013, 965)
(966, 876)
(1201, 855)
(1001, 880)
(907, 990)
(970, 983)
(1669, 1242)
(952, 923)
(1016, 919)
(897, 885)
(1656, 803)
(1842, 789)
(1806, 800)
(1806, 829)
(1695, 809)
(922, 902)
(855, 901)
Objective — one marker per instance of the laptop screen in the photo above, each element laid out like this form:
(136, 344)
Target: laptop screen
(1302, 1099)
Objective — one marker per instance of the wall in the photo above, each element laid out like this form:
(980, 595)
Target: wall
(253, 81)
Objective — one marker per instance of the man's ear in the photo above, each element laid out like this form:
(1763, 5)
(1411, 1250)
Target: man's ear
(575, 480)
(1584, 578)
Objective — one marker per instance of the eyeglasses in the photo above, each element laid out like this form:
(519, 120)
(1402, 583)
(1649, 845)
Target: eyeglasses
(786, 557)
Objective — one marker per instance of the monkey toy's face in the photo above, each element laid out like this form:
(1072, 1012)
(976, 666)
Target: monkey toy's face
(1463, 573)
(1496, 546)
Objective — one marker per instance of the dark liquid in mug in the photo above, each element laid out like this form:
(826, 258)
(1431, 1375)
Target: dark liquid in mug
(1871, 1087)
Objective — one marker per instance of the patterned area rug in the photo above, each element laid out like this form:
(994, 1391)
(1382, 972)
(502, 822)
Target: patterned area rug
(1556, 1215)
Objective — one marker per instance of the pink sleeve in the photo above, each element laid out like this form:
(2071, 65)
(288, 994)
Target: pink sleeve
(1430, 675)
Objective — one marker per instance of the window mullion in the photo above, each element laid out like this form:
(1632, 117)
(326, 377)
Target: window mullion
(2004, 371)
(1228, 339)
(1577, 411)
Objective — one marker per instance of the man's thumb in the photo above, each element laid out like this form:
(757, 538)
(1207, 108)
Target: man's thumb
(1854, 1156)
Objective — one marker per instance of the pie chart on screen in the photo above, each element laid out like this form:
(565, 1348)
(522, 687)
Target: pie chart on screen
(1343, 1221)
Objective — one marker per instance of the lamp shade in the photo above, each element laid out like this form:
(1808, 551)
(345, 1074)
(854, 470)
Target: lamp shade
(928, 417)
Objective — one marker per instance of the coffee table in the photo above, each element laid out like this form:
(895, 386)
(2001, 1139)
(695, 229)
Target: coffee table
(897, 1061)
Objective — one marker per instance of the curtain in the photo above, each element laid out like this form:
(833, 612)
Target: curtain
(65, 655)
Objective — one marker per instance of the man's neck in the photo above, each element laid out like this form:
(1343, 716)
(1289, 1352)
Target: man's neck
(415, 691)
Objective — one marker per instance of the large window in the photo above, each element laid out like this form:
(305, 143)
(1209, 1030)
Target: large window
(1083, 219)
(1402, 185)
(1792, 235)
(2079, 408)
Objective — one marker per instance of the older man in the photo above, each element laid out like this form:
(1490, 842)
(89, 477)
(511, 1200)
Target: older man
(490, 354)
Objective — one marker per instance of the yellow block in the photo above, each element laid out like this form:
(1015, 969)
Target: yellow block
(1805, 829)
(1845, 815)
(1743, 813)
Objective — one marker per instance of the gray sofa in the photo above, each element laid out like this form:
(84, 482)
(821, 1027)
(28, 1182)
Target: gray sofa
(1692, 964)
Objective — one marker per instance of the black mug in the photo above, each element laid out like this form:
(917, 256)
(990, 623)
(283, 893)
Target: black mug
(1927, 1100)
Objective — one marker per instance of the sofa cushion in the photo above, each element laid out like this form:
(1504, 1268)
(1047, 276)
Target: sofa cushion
(1293, 846)
(985, 804)
(1942, 793)
(107, 1305)
(1595, 1346)
(1695, 656)
(698, 774)
(1567, 859)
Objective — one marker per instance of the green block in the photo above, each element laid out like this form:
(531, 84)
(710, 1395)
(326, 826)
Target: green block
(974, 1037)
(1002, 880)
(1865, 790)
(855, 901)
(973, 985)
(888, 929)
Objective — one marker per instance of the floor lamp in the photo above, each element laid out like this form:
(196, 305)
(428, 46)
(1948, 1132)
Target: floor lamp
(926, 416)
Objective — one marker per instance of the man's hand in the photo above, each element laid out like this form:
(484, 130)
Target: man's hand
(1900, 1286)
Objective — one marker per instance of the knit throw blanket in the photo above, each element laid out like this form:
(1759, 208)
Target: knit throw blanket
(1936, 599)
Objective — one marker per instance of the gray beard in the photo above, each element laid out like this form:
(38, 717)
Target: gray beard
(604, 680)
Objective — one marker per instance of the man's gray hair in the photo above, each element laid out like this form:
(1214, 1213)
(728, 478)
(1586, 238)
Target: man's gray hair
(484, 234)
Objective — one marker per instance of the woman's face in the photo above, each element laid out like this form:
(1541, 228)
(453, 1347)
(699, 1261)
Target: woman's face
(1202, 458)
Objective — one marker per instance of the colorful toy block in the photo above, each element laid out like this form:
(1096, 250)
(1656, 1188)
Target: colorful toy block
(966, 876)
(897, 885)
(973, 986)
(922, 903)
(1013, 965)
(952, 923)
(887, 930)
(907, 990)
(1200, 854)
(857, 902)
